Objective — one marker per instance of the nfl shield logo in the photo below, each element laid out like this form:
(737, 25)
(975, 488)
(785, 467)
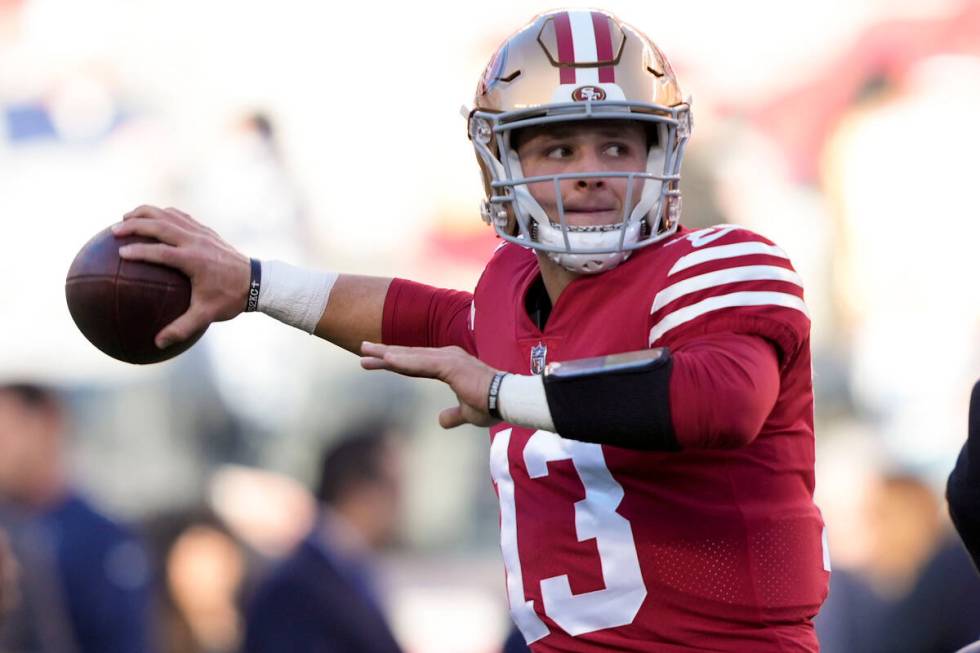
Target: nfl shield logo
(538, 354)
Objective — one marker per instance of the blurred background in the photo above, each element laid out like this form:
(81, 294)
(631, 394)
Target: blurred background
(844, 130)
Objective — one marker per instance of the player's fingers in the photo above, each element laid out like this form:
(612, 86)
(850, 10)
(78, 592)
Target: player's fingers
(405, 364)
(379, 350)
(422, 363)
(431, 361)
(153, 253)
(148, 211)
(372, 363)
(390, 364)
(183, 219)
(180, 214)
(190, 323)
(450, 418)
(165, 232)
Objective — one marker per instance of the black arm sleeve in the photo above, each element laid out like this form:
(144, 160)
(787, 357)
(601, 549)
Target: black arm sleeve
(627, 408)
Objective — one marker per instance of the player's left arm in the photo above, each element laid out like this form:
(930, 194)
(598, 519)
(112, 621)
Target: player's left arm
(714, 392)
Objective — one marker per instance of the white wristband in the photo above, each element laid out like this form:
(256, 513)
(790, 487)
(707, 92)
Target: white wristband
(521, 401)
(293, 295)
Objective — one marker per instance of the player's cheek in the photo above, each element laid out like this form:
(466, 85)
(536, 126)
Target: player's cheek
(544, 193)
(631, 189)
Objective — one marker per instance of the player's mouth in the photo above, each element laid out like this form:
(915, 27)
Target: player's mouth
(589, 218)
(585, 208)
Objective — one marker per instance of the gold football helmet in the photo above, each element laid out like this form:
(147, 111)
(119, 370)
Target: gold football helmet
(579, 66)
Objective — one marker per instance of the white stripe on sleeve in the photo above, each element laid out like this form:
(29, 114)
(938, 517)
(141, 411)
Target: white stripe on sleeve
(725, 251)
(584, 46)
(749, 298)
(722, 277)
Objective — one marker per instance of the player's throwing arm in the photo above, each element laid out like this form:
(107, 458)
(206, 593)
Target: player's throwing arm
(225, 283)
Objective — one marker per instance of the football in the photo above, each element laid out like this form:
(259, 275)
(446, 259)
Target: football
(120, 305)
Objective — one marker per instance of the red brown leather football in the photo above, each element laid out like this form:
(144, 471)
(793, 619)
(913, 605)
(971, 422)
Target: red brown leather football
(121, 305)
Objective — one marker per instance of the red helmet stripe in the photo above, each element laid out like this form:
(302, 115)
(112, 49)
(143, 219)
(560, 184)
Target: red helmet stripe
(603, 44)
(566, 49)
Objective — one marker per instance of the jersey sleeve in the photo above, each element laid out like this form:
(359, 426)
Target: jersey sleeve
(730, 280)
(417, 315)
(722, 388)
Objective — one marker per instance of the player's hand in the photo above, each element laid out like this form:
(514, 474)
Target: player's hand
(468, 377)
(219, 274)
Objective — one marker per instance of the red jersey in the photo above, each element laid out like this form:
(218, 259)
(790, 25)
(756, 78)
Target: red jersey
(611, 549)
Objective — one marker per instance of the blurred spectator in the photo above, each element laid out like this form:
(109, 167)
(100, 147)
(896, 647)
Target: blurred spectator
(201, 569)
(917, 592)
(851, 618)
(941, 612)
(83, 582)
(8, 576)
(905, 521)
(323, 597)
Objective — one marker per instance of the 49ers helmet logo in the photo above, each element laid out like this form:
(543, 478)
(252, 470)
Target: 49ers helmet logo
(589, 94)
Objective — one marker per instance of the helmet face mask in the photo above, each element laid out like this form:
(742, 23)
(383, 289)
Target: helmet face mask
(652, 196)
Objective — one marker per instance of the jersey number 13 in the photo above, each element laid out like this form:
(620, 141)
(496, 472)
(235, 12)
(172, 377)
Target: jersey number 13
(595, 518)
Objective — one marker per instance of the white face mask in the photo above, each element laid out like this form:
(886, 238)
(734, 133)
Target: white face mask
(593, 249)
(584, 250)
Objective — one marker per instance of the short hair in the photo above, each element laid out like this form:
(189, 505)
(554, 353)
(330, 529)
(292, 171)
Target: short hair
(34, 396)
(519, 136)
(356, 459)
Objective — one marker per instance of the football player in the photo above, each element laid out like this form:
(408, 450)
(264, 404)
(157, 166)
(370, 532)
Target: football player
(647, 388)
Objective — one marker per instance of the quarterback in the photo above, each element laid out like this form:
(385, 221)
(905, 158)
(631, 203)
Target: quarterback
(647, 388)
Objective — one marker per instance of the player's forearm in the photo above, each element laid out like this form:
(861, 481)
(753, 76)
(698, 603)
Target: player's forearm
(714, 393)
(349, 309)
(354, 311)
(341, 308)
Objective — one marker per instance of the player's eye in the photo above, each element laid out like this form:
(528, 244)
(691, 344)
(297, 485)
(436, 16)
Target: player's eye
(558, 152)
(616, 150)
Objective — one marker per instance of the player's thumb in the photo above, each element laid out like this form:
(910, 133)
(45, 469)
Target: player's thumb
(450, 418)
(185, 326)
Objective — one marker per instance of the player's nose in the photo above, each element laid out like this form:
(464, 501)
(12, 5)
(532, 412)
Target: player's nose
(589, 160)
(590, 183)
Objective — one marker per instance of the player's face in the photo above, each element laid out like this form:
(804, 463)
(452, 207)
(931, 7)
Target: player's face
(606, 146)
